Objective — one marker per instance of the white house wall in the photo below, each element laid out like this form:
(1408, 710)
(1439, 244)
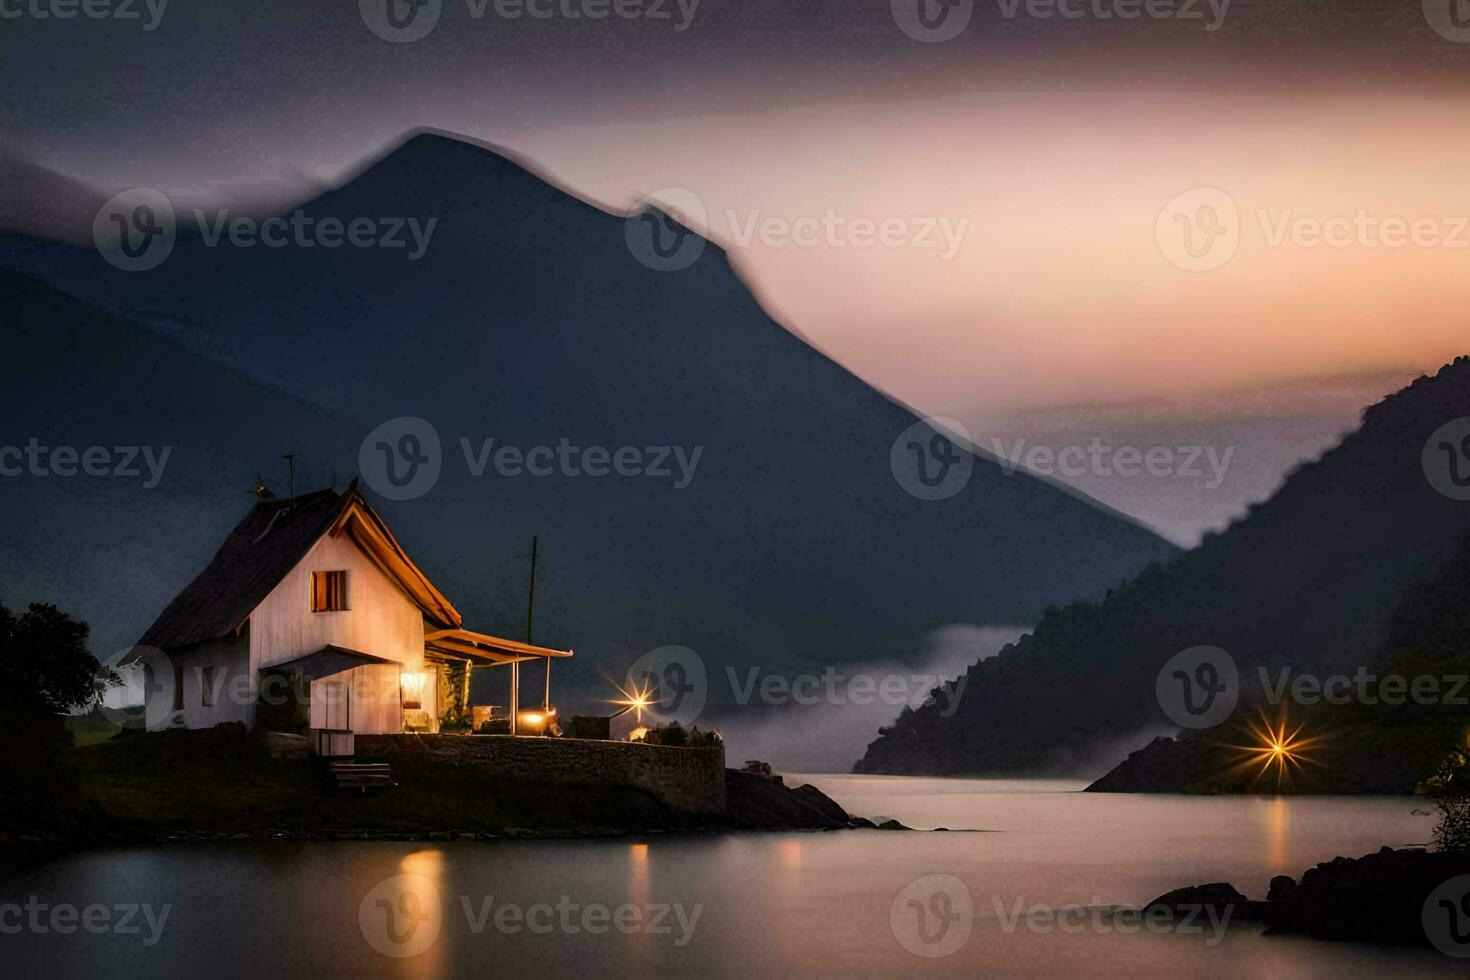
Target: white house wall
(231, 682)
(375, 709)
(380, 619)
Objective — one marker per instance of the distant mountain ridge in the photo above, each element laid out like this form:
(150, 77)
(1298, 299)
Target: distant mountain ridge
(529, 321)
(1310, 579)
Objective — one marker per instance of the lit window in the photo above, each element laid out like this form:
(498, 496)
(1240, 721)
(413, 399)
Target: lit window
(328, 591)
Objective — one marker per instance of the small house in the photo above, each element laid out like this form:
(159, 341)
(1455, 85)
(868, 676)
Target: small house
(312, 607)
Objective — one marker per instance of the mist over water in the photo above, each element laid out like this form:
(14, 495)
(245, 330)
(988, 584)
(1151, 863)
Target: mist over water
(832, 734)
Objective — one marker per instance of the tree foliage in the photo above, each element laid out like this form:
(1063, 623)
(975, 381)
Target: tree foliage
(44, 661)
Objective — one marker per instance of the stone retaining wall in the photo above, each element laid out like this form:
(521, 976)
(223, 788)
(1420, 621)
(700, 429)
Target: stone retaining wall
(684, 779)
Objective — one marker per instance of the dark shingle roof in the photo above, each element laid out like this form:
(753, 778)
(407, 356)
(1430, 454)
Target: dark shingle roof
(259, 552)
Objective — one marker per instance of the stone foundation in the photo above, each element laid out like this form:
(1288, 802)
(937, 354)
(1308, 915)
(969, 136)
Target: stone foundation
(688, 780)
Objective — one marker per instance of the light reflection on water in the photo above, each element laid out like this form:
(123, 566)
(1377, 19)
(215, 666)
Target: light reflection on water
(766, 903)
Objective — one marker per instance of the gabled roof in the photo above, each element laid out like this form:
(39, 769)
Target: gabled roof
(265, 546)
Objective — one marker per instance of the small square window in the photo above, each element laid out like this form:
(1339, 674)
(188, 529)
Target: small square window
(328, 591)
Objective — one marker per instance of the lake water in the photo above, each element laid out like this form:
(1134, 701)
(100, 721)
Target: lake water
(833, 903)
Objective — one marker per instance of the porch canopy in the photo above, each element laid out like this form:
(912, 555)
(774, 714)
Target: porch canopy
(484, 650)
(329, 661)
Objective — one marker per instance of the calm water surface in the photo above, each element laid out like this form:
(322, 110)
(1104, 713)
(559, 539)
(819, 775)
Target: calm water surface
(736, 904)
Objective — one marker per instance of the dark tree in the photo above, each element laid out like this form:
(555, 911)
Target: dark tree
(45, 670)
(44, 661)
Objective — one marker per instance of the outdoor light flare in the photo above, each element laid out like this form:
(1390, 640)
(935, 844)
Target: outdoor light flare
(1287, 751)
(635, 700)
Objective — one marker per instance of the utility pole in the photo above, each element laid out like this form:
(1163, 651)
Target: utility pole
(515, 668)
(531, 599)
(290, 459)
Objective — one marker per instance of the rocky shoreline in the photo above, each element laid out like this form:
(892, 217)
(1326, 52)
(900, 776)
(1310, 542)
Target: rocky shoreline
(1198, 765)
(754, 804)
(1383, 897)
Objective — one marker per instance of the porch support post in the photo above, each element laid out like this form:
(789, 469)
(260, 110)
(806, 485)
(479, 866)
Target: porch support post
(515, 696)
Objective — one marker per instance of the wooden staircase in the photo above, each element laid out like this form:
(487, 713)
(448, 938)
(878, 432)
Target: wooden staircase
(349, 774)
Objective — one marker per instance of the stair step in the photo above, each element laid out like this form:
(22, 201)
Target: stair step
(360, 776)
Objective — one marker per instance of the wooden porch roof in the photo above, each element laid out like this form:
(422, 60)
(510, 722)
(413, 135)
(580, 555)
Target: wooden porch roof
(481, 648)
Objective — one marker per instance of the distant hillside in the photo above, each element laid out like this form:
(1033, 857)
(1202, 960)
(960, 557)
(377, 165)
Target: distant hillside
(1357, 747)
(40, 202)
(529, 320)
(1323, 577)
(110, 549)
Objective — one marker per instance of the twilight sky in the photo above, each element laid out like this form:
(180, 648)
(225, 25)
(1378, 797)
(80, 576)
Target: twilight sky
(1043, 157)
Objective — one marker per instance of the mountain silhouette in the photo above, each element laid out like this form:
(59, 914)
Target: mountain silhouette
(529, 320)
(1318, 579)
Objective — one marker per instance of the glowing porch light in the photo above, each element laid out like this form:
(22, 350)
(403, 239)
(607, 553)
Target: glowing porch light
(413, 683)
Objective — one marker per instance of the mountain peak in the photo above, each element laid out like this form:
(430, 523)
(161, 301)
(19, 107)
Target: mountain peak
(452, 172)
